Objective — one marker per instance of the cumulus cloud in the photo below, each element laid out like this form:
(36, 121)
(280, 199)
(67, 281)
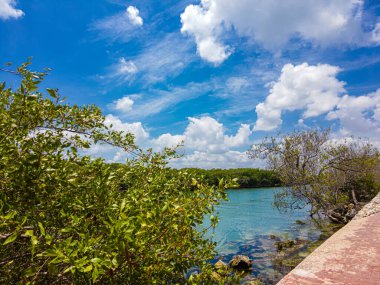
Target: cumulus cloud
(359, 116)
(121, 26)
(8, 10)
(167, 140)
(311, 88)
(206, 144)
(203, 23)
(136, 128)
(241, 138)
(273, 24)
(123, 104)
(133, 16)
(229, 159)
(314, 90)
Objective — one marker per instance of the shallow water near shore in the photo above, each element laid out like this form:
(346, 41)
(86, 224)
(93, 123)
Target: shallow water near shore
(248, 221)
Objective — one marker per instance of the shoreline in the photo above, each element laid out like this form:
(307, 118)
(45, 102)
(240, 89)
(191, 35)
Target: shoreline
(349, 256)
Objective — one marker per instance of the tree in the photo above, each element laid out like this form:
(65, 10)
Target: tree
(66, 218)
(320, 172)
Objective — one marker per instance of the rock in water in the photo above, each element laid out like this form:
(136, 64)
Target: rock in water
(240, 262)
(220, 265)
(221, 268)
(216, 277)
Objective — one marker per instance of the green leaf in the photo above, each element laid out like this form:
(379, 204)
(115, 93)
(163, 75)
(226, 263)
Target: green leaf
(95, 274)
(11, 238)
(96, 260)
(52, 92)
(30, 271)
(34, 240)
(88, 268)
(42, 229)
(29, 233)
(70, 268)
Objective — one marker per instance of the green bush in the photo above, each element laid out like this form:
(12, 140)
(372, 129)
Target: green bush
(64, 217)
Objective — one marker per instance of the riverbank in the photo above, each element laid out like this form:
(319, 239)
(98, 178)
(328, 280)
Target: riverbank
(350, 256)
(250, 225)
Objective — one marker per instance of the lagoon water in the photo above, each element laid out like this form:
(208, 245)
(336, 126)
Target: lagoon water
(246, 223)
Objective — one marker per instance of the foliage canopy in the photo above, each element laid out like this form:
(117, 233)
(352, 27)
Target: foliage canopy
(318, 171)
(65, 218)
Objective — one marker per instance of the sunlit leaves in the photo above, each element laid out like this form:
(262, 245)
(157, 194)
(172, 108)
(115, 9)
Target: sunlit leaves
(11, 238)
(70, 219)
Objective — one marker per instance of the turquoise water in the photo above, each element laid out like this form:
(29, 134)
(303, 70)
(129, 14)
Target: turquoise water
(246, 222)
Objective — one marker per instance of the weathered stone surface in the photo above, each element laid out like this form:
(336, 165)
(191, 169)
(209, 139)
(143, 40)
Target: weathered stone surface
(349, 257)
(216, 277)
(240, 262)
(370, 209)
(220, 265)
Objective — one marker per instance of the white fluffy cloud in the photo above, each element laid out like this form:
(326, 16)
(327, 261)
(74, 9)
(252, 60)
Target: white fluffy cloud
(136, 128)
(167, 140)
(134, 17)
(241, 138)
(229, 159)
(123, 104)
(206, 144)
(312, 88)
(8, 10)
(208, 134)
(273, 23)
(315, 91)
(359, 116)
(203, 22)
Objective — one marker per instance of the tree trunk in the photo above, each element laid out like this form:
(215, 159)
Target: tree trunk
(353, 193)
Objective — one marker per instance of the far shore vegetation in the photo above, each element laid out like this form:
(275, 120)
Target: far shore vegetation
(243, 177)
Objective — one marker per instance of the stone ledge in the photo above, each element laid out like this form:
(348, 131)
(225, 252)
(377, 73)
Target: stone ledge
(369, 209)
(349, 257)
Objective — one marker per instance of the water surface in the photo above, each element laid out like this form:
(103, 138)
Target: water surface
(246, 223)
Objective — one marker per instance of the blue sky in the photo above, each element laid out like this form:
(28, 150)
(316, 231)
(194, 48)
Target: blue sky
(216, 74)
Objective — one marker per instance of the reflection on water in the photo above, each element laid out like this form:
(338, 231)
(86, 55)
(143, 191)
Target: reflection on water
(246, 222)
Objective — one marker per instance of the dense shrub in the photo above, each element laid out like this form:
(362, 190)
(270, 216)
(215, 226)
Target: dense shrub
(64, 218)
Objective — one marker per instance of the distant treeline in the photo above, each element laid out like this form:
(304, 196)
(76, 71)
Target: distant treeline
(246, 177)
